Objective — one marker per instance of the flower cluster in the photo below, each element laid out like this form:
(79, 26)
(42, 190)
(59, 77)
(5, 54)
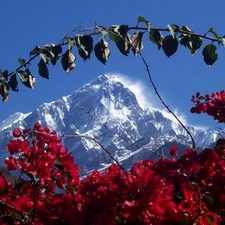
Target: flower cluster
(190, 190)
(213, 105)
(44, 166)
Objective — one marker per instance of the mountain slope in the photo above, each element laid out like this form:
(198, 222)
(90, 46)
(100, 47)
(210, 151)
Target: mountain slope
(119, 124)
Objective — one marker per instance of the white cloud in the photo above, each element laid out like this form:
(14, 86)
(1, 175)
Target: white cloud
(142, 93)
(146, 97)
(182, 117)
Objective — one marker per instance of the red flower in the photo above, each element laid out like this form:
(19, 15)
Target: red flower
(130, 210)
(11, 163)
(17, 132)
(3, 182)
(213, 105)
(13, 146)
(173, 150)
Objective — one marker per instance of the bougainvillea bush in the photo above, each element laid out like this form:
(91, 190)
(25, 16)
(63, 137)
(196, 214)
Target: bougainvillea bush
(188, 190)
(213, 105)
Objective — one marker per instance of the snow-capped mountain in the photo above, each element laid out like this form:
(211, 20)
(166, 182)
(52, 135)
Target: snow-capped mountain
(109, 112)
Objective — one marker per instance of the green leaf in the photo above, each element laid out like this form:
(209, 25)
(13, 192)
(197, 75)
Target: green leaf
(21, 61)
(26, 78)
(71, 42)
(4, 90)
(47, 55)
(183, 221)
(187, 29)
(156, 38)
(114, 34)
(120, 219)
(13, 83)
(210, 219)
(23, 75)
(56, 50)
(116, 31)
(68, 61)
(43, 69)
(142, 19)
(209, 197)
(209, 53)
(16, 216)
(136, 42)
(119, 35)
(71, 187)
(84, 45)
(184, 39)
(37, 49)
(195, 42)
(174, 29)
(211, 30)
(101, 51)
(102, 30)
(185, 35)
(169, 45)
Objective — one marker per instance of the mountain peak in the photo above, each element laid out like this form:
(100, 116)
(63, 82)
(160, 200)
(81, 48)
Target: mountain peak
(105, 91)
(113, 117)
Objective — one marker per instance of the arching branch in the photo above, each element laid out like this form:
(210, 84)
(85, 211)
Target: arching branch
(83, 40)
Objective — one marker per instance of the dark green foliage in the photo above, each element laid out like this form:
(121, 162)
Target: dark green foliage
(156, 37)
(209, 53)
(142, 19)
(43, 69)
(4, 90)
(119, 34)
(13, 83)
(169, 45)
(84, 45)
(26, 78)
(194, 44)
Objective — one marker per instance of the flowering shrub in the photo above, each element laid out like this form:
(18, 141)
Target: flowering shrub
(189, 190)
(213, 105)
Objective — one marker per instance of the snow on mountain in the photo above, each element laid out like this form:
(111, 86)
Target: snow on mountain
(12, 119)
(109, 112)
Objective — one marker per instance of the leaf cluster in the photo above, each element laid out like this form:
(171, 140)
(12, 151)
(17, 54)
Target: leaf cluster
(120, 35)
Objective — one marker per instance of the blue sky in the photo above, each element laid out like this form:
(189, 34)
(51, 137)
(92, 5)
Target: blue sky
(24, 25)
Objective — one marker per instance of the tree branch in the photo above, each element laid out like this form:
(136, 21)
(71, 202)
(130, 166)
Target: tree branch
(122, 138)
(84, 30)
(162, 101)
(97, 142)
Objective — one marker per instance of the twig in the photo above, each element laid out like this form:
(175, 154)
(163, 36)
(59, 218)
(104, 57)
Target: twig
(163, 102)
(13, 207)
(97, 142)
(178, 31)
(124, 139)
